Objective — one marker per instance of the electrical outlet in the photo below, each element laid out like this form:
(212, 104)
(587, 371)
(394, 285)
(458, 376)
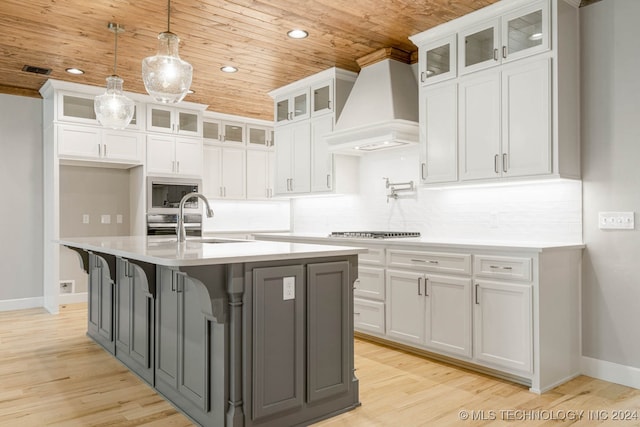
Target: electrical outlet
(288, 288)
(85, 219)
(105, 219)
(119, 219)
(66, 286)
(616, 220)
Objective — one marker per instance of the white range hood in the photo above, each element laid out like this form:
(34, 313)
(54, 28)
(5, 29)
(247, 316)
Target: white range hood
(381, 111)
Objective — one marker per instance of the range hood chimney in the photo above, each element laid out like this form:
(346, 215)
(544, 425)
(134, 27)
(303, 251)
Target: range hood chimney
(382, 109)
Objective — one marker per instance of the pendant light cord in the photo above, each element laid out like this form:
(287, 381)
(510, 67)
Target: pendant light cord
(115, 53)
(168, 16)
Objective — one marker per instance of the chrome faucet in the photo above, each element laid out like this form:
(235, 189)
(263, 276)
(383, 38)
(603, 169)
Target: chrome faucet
(182, 233)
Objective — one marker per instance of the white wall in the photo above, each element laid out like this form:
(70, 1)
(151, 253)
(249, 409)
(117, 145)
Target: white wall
(545, 211)
(611, 180)
(21, 220)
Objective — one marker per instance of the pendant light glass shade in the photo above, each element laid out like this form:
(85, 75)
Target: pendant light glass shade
(113, 109)
(167, 77)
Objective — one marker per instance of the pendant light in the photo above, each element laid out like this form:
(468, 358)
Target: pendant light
(167, 77)
(113, 109)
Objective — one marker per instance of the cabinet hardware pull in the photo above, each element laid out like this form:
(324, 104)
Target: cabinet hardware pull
(417, 260)
(493, 266)
(423, 170)
(426, 283)
(507, 268)
(180, 284)
(477, 294)
(224, 191)
(495, 54)
(178, 166)
(431, 261)
(423, 76)
(419, 283)
(328, 181)
(504, 162)
(504, 51)
(220, 191)
(99, 150)
(173, 165)
(356, 312)
(105, 150)
(495, 163)
(329, 104)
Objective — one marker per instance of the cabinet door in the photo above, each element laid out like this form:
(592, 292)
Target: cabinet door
(122, 145)
(282, 109)
(368, 316)
(503, 328)
(166, 327)
(212, 130)
(526, 123)
(258, 174)
(299, 105)
(188, 122)
(526, 31)
(405, 306)
(78, 141)
(329, 329)
(479, 46)
(160, 119)
(439, 133)
(479, 109)
(76, 108)
(258, 136)
(321, 159)
(283, 159)
(301, 141)
(448, 314)
(124, 286)
(233, 132)
(233, 173)
(101, 297)
(211, 171)
(160, 154)
(370, 283)
(278, 354)
(438, 60)
(189, 156)
(322, 97)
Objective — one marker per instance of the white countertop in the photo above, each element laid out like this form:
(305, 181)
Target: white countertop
(416, 242)
(166, 251)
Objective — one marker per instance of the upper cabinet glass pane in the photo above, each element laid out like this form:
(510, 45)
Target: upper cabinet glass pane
(210, 130)
(479, 47)
(525, 32)
(300, 105)
(161, 118)
(233, 133)
(282, 110)
(188, 122)
(257, 136)
(321, 98)
(438, 60)
(73, 106)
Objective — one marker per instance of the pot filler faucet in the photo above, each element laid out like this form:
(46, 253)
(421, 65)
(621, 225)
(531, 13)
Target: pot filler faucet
(182, 233)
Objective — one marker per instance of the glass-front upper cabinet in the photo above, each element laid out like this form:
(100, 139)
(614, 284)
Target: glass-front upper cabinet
(259, 136)
(79, 109)
(515, 35)
(438, 60)
(322, 97)
(292, 107)
(173, 120)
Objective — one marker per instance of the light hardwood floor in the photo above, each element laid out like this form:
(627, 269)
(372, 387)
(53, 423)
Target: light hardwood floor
(51, 374)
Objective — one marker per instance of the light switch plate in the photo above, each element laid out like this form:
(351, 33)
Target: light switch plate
(118, 219)
(105, 219)
(616, 220)
(85, 218)
(288, 288)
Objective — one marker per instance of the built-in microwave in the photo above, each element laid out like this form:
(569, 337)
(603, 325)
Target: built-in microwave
(164, 195)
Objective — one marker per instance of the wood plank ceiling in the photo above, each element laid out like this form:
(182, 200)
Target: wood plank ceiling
(249, 34)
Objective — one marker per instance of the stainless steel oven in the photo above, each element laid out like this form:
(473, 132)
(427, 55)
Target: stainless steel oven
(164, 195)
(166, 224)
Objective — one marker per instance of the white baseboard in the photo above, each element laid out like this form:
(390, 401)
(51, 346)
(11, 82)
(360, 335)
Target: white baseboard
(72, 298)
(612, 372)
(21, 303)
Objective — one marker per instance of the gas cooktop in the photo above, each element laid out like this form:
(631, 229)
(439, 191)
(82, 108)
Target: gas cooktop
(375, 234)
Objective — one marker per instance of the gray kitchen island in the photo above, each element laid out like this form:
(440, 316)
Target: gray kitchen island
(233, 333)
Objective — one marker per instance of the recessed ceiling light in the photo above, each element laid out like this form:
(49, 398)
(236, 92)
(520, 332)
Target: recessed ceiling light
(228, 69)
(297, 34)
(76, 71)
(535, 36)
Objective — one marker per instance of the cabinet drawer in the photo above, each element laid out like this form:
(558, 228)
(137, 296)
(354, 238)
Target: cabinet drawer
(375, 256)
(368, 316)
(370, 283)
(502, 267)
(430, 261)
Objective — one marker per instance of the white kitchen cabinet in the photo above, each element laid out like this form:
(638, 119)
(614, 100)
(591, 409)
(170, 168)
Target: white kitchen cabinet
(259, 136)
(292, 107)
(79, 108)
(174, 120)
(293, 157)
(223, 131)
(168, 155)
(514, 35)
(503, 328)
(322, 97)
(224, 174)
(439, 135)
(505, 122)
(370, 283)
(430, 310)
(438, 60)
(321, 158)
(104, 145)
(368, 316)
(260, 165)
